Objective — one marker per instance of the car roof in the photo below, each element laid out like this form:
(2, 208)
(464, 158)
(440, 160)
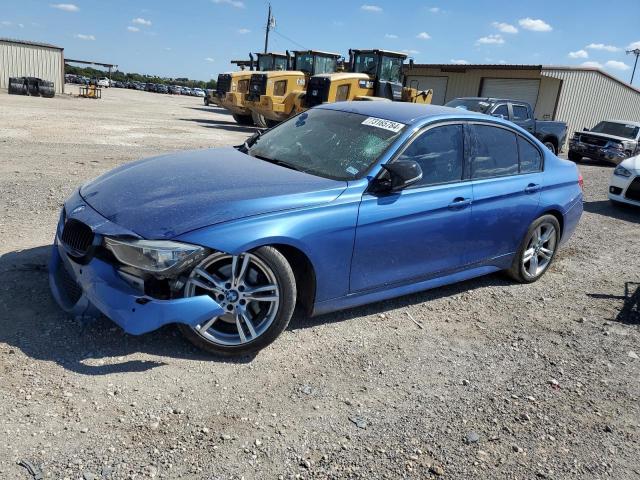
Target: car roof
(403, 112)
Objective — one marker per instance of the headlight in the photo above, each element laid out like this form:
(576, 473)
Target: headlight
(622, 172)
(155, 256)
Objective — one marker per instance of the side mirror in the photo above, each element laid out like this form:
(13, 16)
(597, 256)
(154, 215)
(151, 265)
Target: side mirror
(498, 115)
(399, 175)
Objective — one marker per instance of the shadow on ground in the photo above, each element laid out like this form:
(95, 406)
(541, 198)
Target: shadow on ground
(630, 312)
(212, 109)
(221, 125)
(32, 322)
(621, 211)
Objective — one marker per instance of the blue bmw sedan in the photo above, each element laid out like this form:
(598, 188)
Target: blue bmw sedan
(345, 204)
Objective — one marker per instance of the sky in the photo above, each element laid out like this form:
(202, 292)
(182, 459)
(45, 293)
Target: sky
(198, 38)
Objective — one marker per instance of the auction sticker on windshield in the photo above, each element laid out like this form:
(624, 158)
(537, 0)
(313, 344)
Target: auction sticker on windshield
(385, 124)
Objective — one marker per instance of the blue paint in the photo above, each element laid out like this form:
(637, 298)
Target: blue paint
(363, 247)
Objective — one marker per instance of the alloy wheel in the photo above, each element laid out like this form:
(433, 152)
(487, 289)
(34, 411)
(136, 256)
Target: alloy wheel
(540, 249)
(245, 287)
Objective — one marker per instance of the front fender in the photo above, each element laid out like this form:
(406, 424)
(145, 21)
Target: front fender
(325, 234)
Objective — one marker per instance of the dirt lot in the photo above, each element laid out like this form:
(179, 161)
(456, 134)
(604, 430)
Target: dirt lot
(498, 381)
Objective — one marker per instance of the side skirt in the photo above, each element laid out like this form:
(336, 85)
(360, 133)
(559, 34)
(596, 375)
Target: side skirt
(362, 298)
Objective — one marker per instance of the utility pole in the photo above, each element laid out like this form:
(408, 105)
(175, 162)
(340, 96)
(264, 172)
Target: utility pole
(636, 52)
(266, 37)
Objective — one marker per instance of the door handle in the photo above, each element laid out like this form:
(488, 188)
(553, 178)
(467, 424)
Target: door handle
(459, 203)
(532, 188)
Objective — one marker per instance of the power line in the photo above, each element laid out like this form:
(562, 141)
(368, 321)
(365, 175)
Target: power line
(289, 39)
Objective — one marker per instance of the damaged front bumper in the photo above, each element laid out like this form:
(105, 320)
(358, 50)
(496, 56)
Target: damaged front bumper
(94, 286)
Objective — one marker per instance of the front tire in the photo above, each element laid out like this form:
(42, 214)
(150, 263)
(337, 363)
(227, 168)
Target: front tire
(242, 119)
(537, 250)
(257, 289)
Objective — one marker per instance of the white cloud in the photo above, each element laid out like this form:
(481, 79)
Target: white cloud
(82, 36)
(390, 35)
(6, 23)
(616, 65)
(505, 27)
(491, 40)
(591, 64)
(67, 7)
(133, 29)
(459, 61)
(243, 31)
(233, 3)
(535, 24)
(209, 59)
(21, 25)
(634, 45)
(579, 54)
(141, 21)
(371, 8)
(423, 36)
(435, 10)
(602, 46)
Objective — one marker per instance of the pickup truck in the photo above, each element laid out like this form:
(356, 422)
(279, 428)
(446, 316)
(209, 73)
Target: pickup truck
(552, 134)
(610, 140)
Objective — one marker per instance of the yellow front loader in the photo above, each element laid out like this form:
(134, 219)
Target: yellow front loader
(232, 88)
(375, 75)
(277, 95)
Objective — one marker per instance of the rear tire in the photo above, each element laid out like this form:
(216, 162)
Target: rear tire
(280, 272)
(243, 119)
(537, 250)
(551, 147)
(574, 156)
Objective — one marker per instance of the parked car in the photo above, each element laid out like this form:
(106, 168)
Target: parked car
(624, 186)
(610, 140)
(119, 84)
(104, 82)
(161, 88)
(175, 89)
(186, 91)
(345, 204)
(552, 134)
(198, 92)
(150, 87)
(140, 86)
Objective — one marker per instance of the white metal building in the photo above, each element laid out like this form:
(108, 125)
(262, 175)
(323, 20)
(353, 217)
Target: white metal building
(580, 96)
(19, 58)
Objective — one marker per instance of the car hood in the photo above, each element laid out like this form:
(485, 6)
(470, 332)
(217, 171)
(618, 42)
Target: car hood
(606, 136)
(166, 196)
(632, 163)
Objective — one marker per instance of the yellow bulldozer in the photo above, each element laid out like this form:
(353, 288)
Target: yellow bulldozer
(277, 95)
(374, 75)
(232, 87)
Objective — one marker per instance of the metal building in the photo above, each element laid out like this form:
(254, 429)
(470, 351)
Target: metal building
(580, 96)
(19, 58)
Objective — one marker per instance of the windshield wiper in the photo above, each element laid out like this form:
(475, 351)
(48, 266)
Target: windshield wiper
(248, 143)
(280, 162)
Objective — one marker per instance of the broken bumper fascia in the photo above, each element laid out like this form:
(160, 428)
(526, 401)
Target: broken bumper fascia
(97, 288)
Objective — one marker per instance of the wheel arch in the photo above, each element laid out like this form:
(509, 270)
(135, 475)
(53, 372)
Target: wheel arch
(551, 139)
(304, 273)
(559, 216)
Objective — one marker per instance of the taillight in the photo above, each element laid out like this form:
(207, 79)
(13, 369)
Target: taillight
(581, 182)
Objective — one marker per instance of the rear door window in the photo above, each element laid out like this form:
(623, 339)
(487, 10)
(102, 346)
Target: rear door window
(493, 151)
(520, 113)
(530, 156)
(440, 153)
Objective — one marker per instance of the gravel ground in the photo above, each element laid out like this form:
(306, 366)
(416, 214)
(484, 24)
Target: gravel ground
(483, 379)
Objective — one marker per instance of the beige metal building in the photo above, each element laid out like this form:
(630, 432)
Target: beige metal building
(580, 96)
(19, 58)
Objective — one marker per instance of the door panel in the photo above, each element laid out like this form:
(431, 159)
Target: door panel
(409, 235)
(502, 213)
(505, 200)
